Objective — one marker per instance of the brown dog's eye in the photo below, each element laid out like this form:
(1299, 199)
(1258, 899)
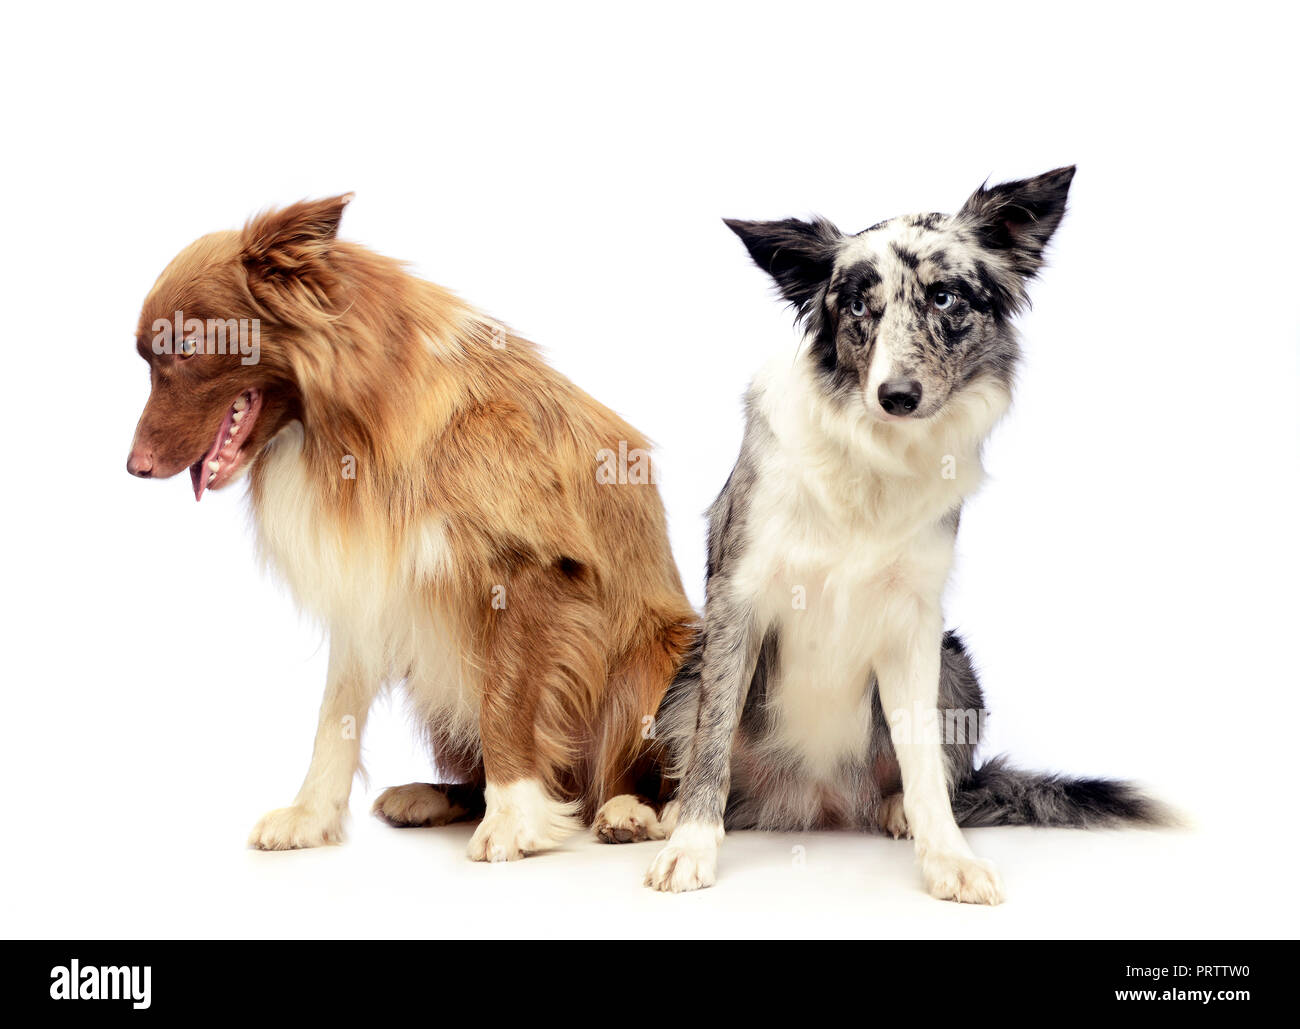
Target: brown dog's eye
(188, 348)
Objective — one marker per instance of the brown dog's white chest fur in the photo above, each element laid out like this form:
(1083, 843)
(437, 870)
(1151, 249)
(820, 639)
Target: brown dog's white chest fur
(378, 595)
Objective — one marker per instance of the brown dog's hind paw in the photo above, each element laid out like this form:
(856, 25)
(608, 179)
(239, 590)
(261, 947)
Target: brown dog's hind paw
(627, 819)
(420, 804)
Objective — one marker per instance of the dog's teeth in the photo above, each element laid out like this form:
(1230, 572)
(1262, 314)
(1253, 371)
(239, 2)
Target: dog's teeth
(214, 467)
(240, 403)
(211, 477)
(237, 415)
(227, 443)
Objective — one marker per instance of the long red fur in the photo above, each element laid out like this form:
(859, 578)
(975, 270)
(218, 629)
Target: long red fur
(449, 417)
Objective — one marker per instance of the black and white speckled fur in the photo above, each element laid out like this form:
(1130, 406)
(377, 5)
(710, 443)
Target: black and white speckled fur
(832, 540)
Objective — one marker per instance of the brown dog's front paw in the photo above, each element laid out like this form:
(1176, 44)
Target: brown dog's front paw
(295, 828)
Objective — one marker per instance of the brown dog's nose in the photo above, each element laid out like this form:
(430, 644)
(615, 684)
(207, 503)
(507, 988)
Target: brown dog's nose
(140, 462)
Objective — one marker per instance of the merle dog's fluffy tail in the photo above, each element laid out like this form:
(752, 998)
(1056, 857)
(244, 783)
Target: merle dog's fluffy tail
(997, 794)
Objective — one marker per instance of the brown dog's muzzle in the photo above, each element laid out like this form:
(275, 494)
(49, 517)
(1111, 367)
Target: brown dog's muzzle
(213, 440)
(165, 440)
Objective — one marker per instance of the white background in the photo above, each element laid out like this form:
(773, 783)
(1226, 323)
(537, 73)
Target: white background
(1126, 579)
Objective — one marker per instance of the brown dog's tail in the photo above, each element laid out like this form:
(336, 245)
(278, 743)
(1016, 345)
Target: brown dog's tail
(627, 754)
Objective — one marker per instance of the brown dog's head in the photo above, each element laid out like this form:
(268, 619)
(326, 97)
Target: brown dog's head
(219, 330)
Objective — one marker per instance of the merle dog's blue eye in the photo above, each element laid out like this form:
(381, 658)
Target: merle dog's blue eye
(858, 308)
(942, 301)
(188, 347)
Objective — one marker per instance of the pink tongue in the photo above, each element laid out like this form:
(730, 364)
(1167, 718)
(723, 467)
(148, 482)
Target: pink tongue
(199, 472)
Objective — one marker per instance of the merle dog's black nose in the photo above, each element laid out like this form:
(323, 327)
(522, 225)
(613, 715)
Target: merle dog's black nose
(900, 396)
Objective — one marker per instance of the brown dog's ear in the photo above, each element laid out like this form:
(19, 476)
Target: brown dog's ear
(286, 255)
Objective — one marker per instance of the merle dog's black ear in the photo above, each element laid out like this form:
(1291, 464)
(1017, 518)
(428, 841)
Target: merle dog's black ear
(798, 255)
(1016, 219)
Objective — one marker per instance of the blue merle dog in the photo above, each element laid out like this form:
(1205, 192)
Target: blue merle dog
(823, 691)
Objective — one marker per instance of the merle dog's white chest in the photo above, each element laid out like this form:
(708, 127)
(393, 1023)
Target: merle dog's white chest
(841, 566)
(837, 602)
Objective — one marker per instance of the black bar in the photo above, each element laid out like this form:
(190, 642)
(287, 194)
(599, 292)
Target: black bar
(254, 979)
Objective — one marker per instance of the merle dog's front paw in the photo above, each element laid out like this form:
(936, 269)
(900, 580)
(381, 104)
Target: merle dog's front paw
(688, 862)
(963, 878)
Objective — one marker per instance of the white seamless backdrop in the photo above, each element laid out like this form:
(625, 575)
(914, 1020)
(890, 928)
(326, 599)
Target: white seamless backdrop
(1126, 579)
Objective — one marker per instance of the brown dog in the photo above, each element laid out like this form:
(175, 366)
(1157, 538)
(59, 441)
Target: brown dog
(433, 492)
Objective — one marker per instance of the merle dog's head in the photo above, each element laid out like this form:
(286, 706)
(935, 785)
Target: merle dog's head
(911, 310)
